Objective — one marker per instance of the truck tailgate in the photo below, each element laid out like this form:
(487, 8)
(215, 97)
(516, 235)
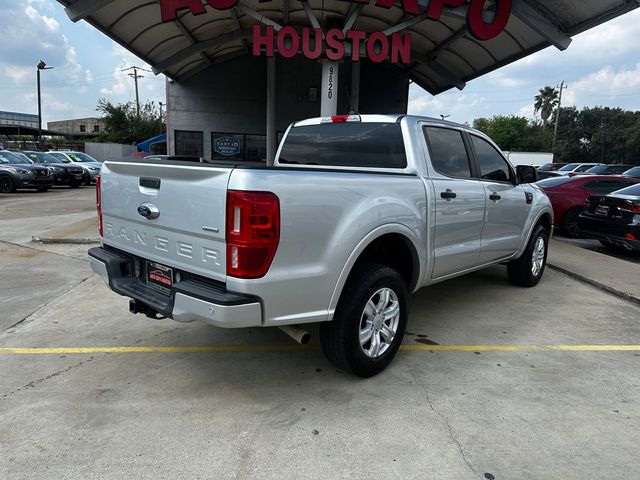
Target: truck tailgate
(188, 234)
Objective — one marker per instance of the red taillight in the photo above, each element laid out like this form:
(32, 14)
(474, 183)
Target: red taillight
(253, 233)
(630, 236)
(339, 118)
(630, 207)
(99, 204)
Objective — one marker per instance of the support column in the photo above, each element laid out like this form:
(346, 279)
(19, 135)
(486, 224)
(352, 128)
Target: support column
(271, 111)
(355, 87)
(329, 89)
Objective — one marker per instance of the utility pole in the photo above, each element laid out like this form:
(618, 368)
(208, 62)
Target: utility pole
(555, 130)
(135, 77)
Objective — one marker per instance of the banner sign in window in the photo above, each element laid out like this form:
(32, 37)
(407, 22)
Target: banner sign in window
(227, 146)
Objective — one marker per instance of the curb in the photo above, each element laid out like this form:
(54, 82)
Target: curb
(64, 241)
(600, 286)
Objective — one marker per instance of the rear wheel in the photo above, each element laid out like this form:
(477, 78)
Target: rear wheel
(569, 225)
(6, 184)
(529, 268)
(369, 323)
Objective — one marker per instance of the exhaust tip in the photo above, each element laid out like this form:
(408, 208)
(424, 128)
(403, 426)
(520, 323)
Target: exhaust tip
(296, 333)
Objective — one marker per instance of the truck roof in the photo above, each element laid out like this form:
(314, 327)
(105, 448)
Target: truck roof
(385, 118)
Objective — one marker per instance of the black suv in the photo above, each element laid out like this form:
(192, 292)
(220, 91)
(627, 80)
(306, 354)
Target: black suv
(63, 173)
(14, 174)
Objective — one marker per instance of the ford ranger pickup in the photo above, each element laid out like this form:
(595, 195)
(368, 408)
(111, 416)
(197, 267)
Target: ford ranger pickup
(356, 213)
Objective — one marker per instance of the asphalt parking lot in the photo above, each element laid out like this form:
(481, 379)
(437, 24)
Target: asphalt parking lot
(494, 382)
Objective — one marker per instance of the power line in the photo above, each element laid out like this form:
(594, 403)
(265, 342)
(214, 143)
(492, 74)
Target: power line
(135, 77)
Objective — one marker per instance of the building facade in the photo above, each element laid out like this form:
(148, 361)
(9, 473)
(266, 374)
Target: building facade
(19, 119)
(91, 125)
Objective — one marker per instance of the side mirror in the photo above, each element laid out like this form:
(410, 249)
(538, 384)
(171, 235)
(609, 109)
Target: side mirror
(526, 174)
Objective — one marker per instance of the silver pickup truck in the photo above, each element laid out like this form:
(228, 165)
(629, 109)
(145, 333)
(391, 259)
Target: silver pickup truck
(356, 213)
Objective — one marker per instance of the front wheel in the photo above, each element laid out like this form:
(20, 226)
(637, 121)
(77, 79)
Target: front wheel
(74, 185)
(369, 323)
(529, 268)
(6, 184)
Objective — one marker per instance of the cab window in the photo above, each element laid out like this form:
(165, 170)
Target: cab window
(493, 166)
(448, 153)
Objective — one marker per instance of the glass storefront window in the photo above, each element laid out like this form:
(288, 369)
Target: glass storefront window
(189, 143)
(238, 146)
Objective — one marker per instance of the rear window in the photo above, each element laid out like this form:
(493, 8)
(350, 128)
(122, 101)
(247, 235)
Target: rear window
(634, 190)
(378, 145)
(554, 182)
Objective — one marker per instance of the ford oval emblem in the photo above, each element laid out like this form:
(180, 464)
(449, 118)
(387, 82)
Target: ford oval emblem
(148, 211)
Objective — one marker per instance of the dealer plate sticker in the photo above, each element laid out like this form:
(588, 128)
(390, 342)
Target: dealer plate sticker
(159, 276)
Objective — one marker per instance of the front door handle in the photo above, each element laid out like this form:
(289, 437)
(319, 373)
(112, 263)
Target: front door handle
(448, 195)
(495, 197)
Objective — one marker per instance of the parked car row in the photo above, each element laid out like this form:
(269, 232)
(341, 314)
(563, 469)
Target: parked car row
(41, 171)
(605, 207)
(551, 170)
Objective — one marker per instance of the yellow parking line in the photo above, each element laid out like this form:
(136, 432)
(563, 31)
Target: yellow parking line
(295, 348)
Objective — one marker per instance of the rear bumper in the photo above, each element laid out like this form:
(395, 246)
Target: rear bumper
(188, 300)
(608, 231)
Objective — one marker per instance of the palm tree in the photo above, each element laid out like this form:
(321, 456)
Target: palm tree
(546, 102)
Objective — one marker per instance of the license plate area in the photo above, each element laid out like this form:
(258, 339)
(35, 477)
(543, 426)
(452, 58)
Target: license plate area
(159, 277)
(602, 210)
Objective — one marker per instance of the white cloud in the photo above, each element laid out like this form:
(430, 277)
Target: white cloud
(48, 22)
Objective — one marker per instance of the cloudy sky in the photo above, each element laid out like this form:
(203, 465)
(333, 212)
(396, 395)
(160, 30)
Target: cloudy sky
(602, 67)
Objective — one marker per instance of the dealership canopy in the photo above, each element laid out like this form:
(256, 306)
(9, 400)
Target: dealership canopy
(452, 41)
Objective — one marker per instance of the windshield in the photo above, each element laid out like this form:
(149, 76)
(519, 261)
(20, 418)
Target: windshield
(346, 144)
(81, 157)
(634, 172)
(583, 168)
(7, 158)
(21, 156)
(569, 168)
(60, 156)
(597, 170)
(40, 157)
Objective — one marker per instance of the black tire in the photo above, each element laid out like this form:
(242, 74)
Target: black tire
(43, 189)
(7, 185)
(86, 179)
(340, 338)
(74, 185)
(521, 272)
(569, 225)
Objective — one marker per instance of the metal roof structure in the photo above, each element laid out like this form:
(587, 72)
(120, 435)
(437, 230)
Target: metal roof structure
(444, 52)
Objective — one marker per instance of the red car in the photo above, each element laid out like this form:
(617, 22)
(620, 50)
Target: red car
(569, 195)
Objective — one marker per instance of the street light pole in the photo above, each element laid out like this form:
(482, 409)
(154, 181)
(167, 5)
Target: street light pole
(40, 66)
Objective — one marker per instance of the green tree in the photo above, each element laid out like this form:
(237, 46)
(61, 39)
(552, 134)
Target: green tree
(546, 102)
(123, 125)
(517, 134)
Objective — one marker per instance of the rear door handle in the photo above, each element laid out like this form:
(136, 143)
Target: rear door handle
(495, 197)
(448, 195)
